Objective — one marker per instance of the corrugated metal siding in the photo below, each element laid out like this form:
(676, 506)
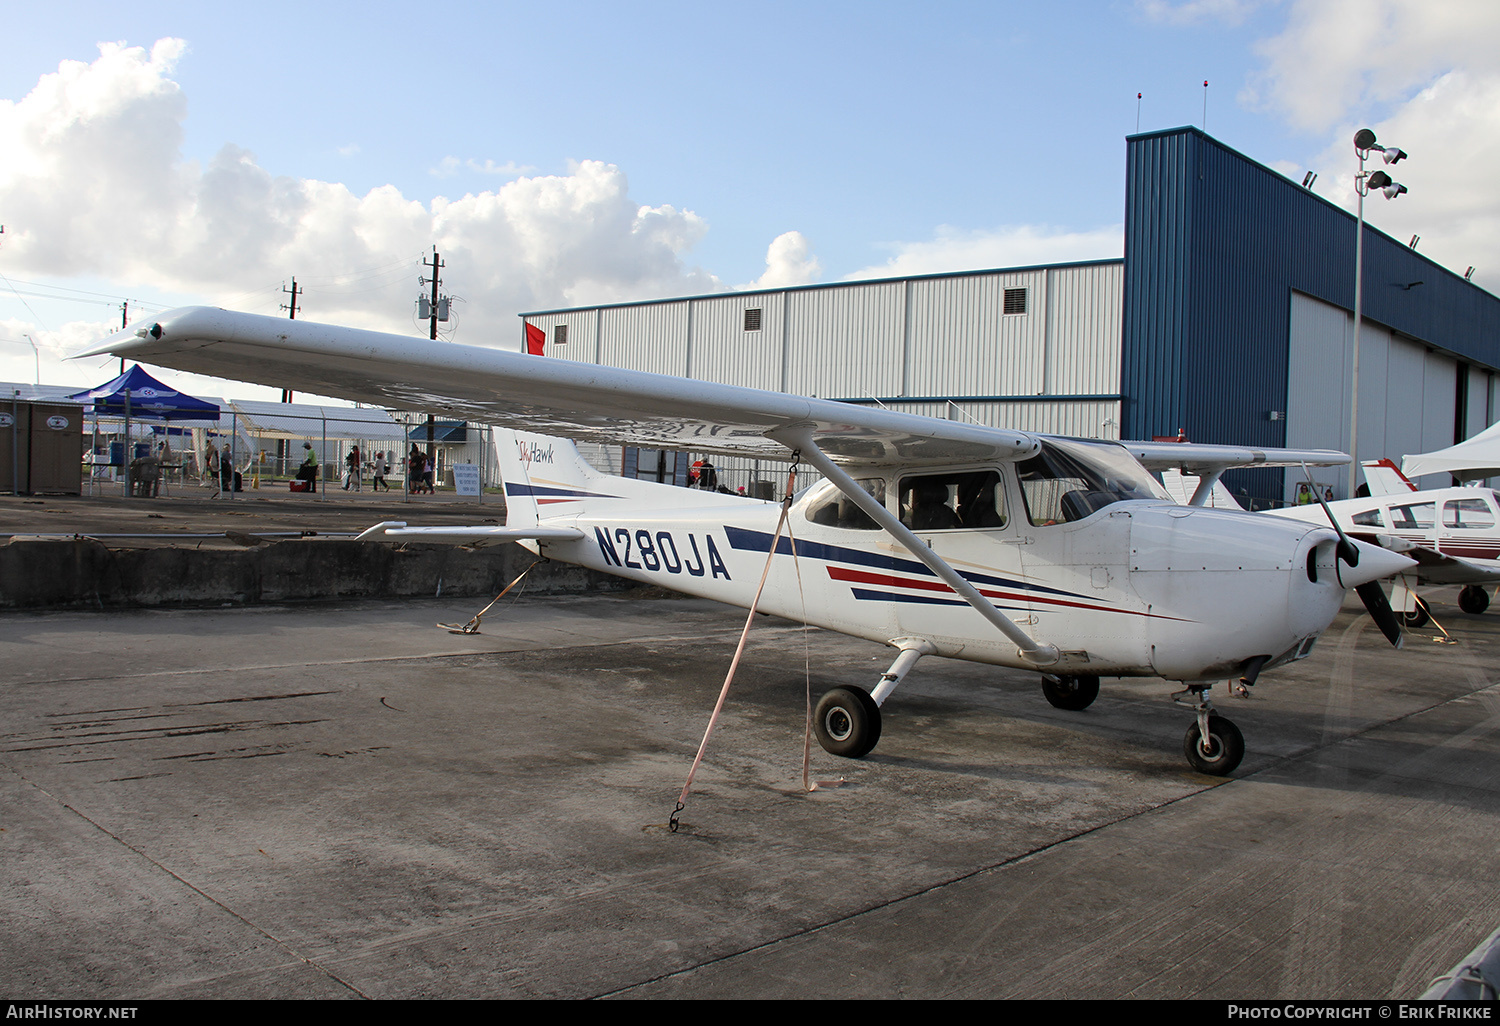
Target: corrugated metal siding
(1215, 246)
(962, 343)
(1406, 392)
(1317, 405)
(1478, 403)
(722, 350)
(846, 342)
(583, 339)
(1080, 418)
(648, 338)
(1083, 333)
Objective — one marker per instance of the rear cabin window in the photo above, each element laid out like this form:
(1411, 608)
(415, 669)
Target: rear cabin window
(970, 500)
(835, 509)
(1368, 518)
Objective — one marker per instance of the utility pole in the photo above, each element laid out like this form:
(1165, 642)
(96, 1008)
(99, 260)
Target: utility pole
(294, 292)
(124, 320)
(284, 445)
(437, 266)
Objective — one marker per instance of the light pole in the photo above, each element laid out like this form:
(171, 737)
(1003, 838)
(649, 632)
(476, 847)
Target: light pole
(35, 352)
(1364, 182)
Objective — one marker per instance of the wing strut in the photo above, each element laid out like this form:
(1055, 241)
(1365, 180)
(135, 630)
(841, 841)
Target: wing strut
(1030, 650)
(1205, 489)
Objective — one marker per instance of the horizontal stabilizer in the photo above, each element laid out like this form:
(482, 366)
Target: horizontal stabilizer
(477, 537)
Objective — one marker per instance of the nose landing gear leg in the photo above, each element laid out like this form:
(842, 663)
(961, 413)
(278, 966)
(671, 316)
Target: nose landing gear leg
(1213, 744)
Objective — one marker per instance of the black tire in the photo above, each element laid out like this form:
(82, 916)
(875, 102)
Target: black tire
(1226, 747)
(1416, 618)
(847, 722)
(1072, 693)
(1474, 599)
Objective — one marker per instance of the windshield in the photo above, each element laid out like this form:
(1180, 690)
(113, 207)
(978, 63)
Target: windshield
(1068, 480)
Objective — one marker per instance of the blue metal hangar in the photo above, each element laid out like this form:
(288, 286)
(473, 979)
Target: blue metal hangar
(1230, 320)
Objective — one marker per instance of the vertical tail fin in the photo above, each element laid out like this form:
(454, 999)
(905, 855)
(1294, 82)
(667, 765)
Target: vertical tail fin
(1385, 478)
(544, 477)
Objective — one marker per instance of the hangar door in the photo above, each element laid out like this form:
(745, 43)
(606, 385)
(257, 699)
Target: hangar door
(1406, 394)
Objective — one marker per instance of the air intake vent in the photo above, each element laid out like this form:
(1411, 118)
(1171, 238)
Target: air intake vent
(1015, 301)
(752, 319)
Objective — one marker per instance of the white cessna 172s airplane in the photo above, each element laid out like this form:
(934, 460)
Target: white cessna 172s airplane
(931, 536)
(1452, 533)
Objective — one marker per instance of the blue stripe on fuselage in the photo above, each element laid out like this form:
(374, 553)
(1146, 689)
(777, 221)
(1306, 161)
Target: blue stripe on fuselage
(759, 541)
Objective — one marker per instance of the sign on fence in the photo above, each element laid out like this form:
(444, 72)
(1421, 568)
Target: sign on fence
(466, 478)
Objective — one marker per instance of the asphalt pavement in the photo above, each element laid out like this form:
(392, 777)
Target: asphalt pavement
(342, 800)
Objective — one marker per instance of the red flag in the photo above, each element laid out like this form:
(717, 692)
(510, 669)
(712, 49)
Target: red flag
(535, 338)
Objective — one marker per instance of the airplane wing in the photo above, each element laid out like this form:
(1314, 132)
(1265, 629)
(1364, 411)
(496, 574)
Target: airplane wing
(543, 394)
(1206, 463)
(1435, 567)
(1201, 460)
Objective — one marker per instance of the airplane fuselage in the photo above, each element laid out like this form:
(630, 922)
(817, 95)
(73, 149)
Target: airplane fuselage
(1138, 588)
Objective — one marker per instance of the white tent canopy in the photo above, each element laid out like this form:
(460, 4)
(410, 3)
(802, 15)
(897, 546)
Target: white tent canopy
(297, 421)
(1479, 457)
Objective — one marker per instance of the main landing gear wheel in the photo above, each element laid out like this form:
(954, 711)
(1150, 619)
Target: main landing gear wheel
(847, 722)
(1416, 618)
(1473, 599)
(1225, 748)
(1070, 692)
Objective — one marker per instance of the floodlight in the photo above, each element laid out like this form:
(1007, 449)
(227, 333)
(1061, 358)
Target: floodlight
(1364, 140)
(1393, 190)
(1377, 180)
(1392, 153)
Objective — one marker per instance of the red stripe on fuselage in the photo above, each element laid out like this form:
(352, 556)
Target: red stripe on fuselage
(839, 573)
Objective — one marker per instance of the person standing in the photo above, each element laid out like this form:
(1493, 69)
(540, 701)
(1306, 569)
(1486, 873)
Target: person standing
(379, 471)
(352, 463)
(416, 470)
(309, 470)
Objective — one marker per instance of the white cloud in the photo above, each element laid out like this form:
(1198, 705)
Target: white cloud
(1014, 246)
(1337, 57)
(92, 182)
(789, 261)
(1191, 12)
(1452, 131)
(450, 166)
(1425, 76)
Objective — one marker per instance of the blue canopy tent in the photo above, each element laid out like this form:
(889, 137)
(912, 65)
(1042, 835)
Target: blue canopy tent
(148, 398)
(136, 395)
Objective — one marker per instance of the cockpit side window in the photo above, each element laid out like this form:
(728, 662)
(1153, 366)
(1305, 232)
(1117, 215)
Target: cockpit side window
(973, 500)
(835, 509)
(1415, 517)
(1069, 480)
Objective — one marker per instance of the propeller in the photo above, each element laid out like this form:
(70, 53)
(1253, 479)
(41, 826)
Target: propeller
(1370, 593)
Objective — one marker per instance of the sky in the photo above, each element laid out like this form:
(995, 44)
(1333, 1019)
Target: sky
(167, 154)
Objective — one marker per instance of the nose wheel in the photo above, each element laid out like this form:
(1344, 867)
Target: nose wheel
(1213, 745)
(1218, 751)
